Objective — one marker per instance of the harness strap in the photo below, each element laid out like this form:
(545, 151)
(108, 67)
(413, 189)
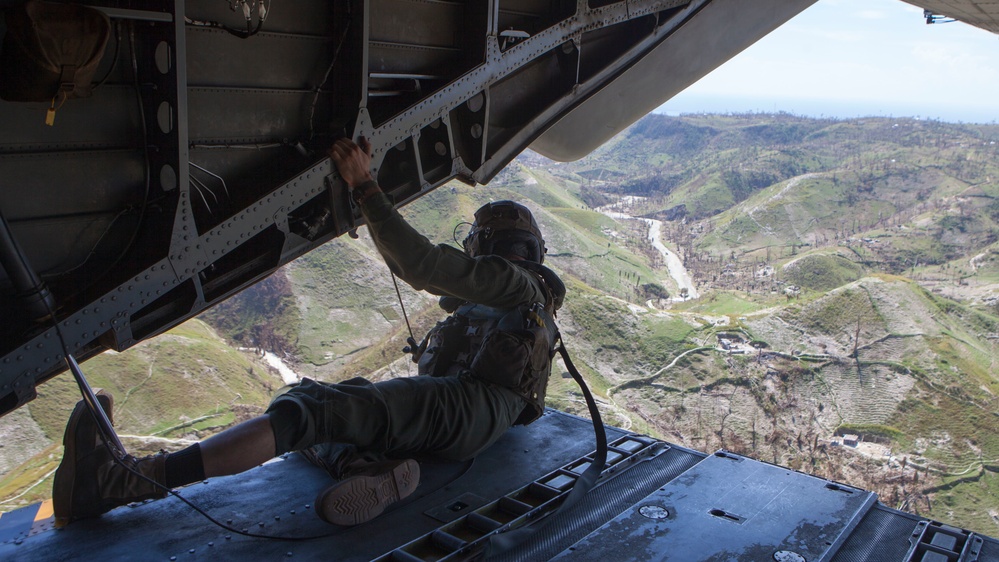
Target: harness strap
(502, 542)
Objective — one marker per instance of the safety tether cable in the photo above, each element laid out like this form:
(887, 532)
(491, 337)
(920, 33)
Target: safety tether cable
(412, 347)
(503, 542)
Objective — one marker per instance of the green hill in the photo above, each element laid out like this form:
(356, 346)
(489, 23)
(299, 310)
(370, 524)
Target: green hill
(185, 384)
(848, 279)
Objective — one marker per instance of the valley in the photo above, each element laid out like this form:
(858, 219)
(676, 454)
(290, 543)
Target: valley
(803, 280)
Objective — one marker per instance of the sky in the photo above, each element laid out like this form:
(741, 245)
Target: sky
(855, 58)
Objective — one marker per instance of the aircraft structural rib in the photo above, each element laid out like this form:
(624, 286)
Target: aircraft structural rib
(198, 165)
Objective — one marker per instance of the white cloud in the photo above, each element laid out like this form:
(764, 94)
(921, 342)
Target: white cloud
(874, 52)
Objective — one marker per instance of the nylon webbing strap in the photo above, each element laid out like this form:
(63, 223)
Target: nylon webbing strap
(502, 542)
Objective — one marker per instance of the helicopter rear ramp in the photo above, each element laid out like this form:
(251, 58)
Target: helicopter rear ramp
(654, 501)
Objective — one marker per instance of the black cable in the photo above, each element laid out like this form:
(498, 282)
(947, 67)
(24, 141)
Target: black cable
(326, 77)
(145, 197)
(38, 297)
(454, 233)
(250, 31)
(195, 507)
(114, 58)
(507, 540)
(412, 338)
(120, 456)
(227, 527)
(93, 249)
(148, 173)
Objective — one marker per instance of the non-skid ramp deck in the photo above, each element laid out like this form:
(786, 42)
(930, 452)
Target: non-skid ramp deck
(276, 499)
(655, 501)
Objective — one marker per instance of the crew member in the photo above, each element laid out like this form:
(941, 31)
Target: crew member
(482, 370)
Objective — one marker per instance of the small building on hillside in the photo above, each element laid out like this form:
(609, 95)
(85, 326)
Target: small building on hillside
(851, 440)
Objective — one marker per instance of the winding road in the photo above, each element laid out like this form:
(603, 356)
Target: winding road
(674, 265)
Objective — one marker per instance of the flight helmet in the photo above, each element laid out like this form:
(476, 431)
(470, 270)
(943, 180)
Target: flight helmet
(505, 228)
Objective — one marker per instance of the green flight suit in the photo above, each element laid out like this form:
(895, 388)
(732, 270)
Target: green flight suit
(445, 418)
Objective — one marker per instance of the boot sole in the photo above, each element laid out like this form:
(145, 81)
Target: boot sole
(358, 499)
(65, 477)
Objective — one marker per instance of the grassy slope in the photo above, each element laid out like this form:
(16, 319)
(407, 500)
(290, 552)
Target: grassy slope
(187, 383)
(886, 197)
(925, 360)
(912, 343)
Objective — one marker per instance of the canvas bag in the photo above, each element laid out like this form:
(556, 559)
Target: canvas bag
(51, 52)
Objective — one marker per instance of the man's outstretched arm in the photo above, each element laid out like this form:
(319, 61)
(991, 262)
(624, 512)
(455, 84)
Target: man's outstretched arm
(437, 269)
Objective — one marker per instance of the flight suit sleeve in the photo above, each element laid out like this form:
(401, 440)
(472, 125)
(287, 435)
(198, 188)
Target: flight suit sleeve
(443, 270)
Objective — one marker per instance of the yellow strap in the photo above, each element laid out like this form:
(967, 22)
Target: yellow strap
(50, 114)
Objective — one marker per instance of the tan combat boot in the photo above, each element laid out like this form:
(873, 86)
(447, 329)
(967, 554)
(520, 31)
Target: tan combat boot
(365, 493)
(89, 481)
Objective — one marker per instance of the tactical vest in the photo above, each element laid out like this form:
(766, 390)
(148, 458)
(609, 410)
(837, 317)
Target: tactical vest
(510, 347)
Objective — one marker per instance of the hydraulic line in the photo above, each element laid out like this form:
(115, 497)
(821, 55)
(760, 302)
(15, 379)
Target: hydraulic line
(41, 304)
